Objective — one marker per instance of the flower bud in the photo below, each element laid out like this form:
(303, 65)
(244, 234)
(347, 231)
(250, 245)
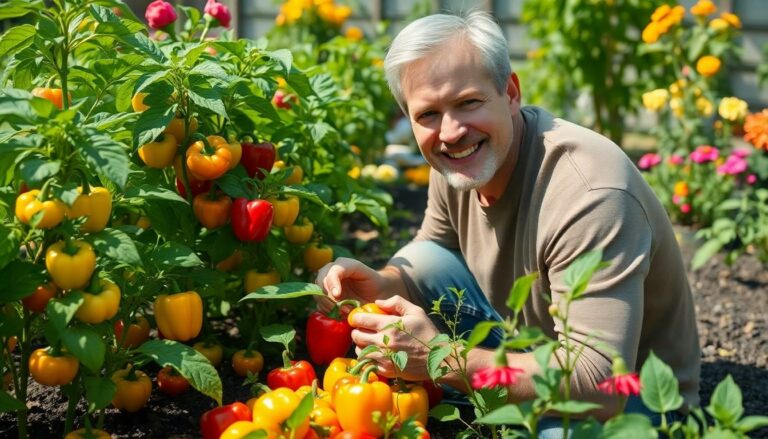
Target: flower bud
(218, 12)
(159, 14)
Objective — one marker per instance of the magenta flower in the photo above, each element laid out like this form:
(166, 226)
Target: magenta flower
(741, 152)
(704, 154)
(733, 165)
(676, 159)
(160, 14)
(677, 199)
(751, 179)
(218, 12)
(625, 385)
(494, 376)
(685, 208)
(648, 161)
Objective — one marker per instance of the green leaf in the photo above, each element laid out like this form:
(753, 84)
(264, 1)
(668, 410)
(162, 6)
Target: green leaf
(152, 123)
(285, 290)
(86, 345)
(480, 332)
(301, 413)
(9, 246)
(19, 8)
(526, 336)
(116, 245)
(284, 58)
(205, 96)
(749, 423)
(174, 254)
(191, 364)
(435, 360)
(233, 186)
(574, 407)
(660, 387)
(61, 311)
(106, 156)
(16, 39)
(726, 402)
(150, 192)
(8, 403)
(520, 291)
(319, 130)
(210, 69)
(445, 413)
(400, 359)
(705, 253)
(632, 425)
(509, 414)
(34, 171)
(580, 271)
(277, 333)
(99, 392)
(543, 353)
(26, 278)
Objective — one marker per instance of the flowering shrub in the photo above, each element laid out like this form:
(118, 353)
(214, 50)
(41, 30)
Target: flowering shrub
(699, 164)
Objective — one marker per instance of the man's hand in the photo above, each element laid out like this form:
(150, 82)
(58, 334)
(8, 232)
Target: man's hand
(347, 278)
(371, 331)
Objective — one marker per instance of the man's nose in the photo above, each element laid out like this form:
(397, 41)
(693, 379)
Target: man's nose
(452, 129)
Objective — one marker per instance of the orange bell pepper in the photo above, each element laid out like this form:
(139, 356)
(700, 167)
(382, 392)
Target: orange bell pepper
(343, 367)
(212, 212)
(133, 389)
(179, 316)
(211, 161)
(51, 369)
(255, 279)
(356, 404)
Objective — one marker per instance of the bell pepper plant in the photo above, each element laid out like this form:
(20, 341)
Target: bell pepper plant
(52, 367)
(251, 219)
(214, 422)
(179, 316)
(329, 336)
(100, 303)
(170, 382)
(133, 388)
(70, 263)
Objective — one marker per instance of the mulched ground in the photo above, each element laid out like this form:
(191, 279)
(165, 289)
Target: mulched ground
(731, 302)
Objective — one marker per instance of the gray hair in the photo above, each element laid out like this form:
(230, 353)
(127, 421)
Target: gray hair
(423, 36)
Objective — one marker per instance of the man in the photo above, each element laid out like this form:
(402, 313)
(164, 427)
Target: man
(519, 191)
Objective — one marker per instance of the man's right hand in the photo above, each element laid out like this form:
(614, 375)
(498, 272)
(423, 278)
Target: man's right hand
(347, 278)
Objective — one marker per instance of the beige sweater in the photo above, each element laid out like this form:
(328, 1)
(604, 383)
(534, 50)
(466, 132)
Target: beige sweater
(573, 190)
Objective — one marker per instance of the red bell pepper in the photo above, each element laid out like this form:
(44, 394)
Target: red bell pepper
(292, 375)
(215, 421)
(257, 158)
(251, 219)
(329, 336)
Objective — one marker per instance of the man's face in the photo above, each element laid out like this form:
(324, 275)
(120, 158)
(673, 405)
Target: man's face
(462, 124)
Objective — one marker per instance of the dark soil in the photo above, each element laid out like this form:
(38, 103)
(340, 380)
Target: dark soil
(731, 303)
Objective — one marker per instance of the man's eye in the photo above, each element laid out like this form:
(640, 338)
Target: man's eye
(426, 115)
(469, 102)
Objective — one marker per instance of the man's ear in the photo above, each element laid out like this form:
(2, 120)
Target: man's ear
(513, 88)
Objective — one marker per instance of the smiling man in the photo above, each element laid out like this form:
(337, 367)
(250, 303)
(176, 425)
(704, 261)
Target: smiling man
(517, 190)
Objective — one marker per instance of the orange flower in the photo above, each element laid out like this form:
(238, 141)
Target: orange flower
(702, 8)
(651, 33)
(681, 189)
(732, 19)
(662, 19)
(756, 129)
(354, 33)
(708, 65)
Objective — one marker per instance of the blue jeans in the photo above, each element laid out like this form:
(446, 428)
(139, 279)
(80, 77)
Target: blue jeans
(430, 270)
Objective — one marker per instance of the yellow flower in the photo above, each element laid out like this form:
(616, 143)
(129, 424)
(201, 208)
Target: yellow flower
(655, 100)
(732, 109)
(732, 19)
(368, 171)
(718, 25)
(326, 11)
(702, 8)
(341, 14)
(280, 19)
(292, 12)
(704, 106)
(386, 173)
(661, 12)
(354, 172)
(354, 33)
(677, 87)
(681, 189)
(322, 2)
(377, 62)
(651, 33)
(708, 65)
(281, 82)
(676, 104)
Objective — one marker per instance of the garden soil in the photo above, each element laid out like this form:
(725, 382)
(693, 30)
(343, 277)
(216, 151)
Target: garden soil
(731, 302)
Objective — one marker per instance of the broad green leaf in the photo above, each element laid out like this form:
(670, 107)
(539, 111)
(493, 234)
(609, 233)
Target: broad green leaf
(574, 407)
(277, 333)
(285, 290)
(8, 403)
(86, 345)
(301, 413)
(632, 425)
(211, 70)
(35, 171)
(705, 253)
(435, 359)
(543, 353)
(26, 277)
(99, 392)
(726, 402)
(520, 291)
(319, 130)
(16, 39)
(232, 186)
(116, 245)
(152, 123)
(509, 414)
(400, 359)
(580, 271)
(174, 254)
(61, 311)
(284, 58)
(526, 337)
(207, 97)
(107, 157)
(480, 332)
(749, 423)
(445, 413)
(304, 192)
(11, 323)
(660, 387)
(191, 364)
(150, 192)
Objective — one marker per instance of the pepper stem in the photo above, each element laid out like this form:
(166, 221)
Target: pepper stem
(335, 312)
(366, 372)
(286, 360)
(354, 370)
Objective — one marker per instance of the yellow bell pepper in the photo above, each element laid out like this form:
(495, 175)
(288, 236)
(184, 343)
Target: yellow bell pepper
(299, 233)
(286, 210)
(96, 204)
(410, 401)
(343, 367)
(255, 279)
(29, 203)
(179, 316)
(272, 409)
(356, 403)
(160, 153)
(70, 266)
(100, 306)
(133, 389)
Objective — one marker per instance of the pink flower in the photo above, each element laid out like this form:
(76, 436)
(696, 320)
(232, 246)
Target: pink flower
(741, 152)
(676, 159)
(495, 376)
(733, 165)
(625, 384)
(159, 14)
(677, 199)
(751, 179)
(685, 208)
(704, 154)
(219, 12)
(648, 161)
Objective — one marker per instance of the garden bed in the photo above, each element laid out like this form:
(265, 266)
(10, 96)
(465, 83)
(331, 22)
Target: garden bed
(731, 303)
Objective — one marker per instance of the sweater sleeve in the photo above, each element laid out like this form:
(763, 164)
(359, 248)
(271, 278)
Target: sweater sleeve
(608, 319)
(437, 225)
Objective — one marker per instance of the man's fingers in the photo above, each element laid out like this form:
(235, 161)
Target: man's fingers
(363, 338)
(398, 305)
(373, 322)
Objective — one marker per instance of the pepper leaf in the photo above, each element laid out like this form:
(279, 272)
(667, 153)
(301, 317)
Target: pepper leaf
(301, 413)
(278, 333)
(86, 345)
(8, 403)
(285, 290)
